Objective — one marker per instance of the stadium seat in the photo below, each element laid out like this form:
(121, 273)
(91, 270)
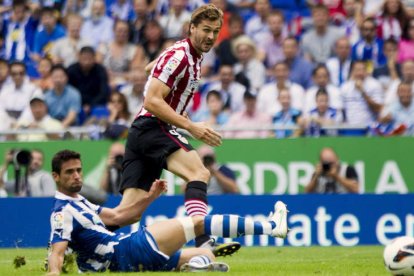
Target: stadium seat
(99, 112)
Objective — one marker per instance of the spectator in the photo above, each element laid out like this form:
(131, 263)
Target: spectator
(142, 16)
(372, 7)
(60, 52)
(39, 120)
(4, 73)
(153, 39)
(121, 10)
(63, 101)
(249, 69)
(172, 22)
(99, 27)
(213, 114)
(331, 176)
(392, 20)
(340, 63)
(46, 36)
(317, 43)
(300, 70)
(15, 96)
(286, 117)
(134, 90)
(391, 70)
(409, 7)
(353, 19)
(228, 9)
(18, 33)
(322, 81)
(41, 183)
(111, 177)
(321, 116)
(231, 91)
(362, 96)
(401, 111)
(256, 25)
(407, 75)
(268, 95)
(80, 7)
(224, 51)
(119, 118)
(270, 43)
(223, 179)
(119, 56)
(44, 68)
(406, 44)
(36, 183)
(91, 79)
(369, 47)
(249, 117)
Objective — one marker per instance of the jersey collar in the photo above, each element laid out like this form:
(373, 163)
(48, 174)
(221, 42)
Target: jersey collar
(192, 49)
(62, 196)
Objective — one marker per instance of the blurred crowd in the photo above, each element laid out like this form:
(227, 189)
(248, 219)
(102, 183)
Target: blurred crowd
(301, 67)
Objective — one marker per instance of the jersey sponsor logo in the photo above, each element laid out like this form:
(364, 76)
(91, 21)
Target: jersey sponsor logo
(193, 84)
(179, 136)
(58, 220)
(171, 65)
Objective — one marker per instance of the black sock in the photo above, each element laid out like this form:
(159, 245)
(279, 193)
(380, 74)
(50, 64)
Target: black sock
(195, 200)
(201, 239)
(196, 204)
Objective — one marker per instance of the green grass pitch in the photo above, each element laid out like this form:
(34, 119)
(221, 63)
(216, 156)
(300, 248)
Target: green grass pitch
(359, 260)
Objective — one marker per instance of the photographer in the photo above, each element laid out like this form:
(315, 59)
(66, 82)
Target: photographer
(223, 179)
(30, 179)
(331, 176)
(112, 175)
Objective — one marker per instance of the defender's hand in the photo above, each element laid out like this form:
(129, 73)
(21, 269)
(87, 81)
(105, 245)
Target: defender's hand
(158, 187)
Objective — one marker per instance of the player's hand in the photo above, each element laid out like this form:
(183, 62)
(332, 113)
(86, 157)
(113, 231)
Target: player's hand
(201, 131)
(158, 187)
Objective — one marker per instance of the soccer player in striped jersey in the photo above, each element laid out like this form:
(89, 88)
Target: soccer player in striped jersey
(80, 225)
(153, 142)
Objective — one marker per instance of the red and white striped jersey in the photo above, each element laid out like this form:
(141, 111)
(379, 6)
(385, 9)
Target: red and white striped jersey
(179, 68)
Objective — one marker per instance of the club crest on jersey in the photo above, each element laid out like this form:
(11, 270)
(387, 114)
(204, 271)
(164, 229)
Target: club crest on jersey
(58, 220)
(179, 136)
(171, 65)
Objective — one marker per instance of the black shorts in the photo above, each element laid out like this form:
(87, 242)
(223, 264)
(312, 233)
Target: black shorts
(150, 141)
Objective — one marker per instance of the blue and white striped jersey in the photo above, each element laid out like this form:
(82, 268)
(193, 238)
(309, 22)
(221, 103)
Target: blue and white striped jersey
(77, 221)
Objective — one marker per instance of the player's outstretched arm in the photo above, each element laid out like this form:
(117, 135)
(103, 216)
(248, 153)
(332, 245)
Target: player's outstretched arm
(56, 258)
(125, 215)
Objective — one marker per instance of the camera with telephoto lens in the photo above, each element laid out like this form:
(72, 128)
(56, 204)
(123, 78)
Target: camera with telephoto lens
(21, 157)
(208, 160)
(118, 161)
(326, 167)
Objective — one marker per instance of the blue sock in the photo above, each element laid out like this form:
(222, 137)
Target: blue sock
(231, 226)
